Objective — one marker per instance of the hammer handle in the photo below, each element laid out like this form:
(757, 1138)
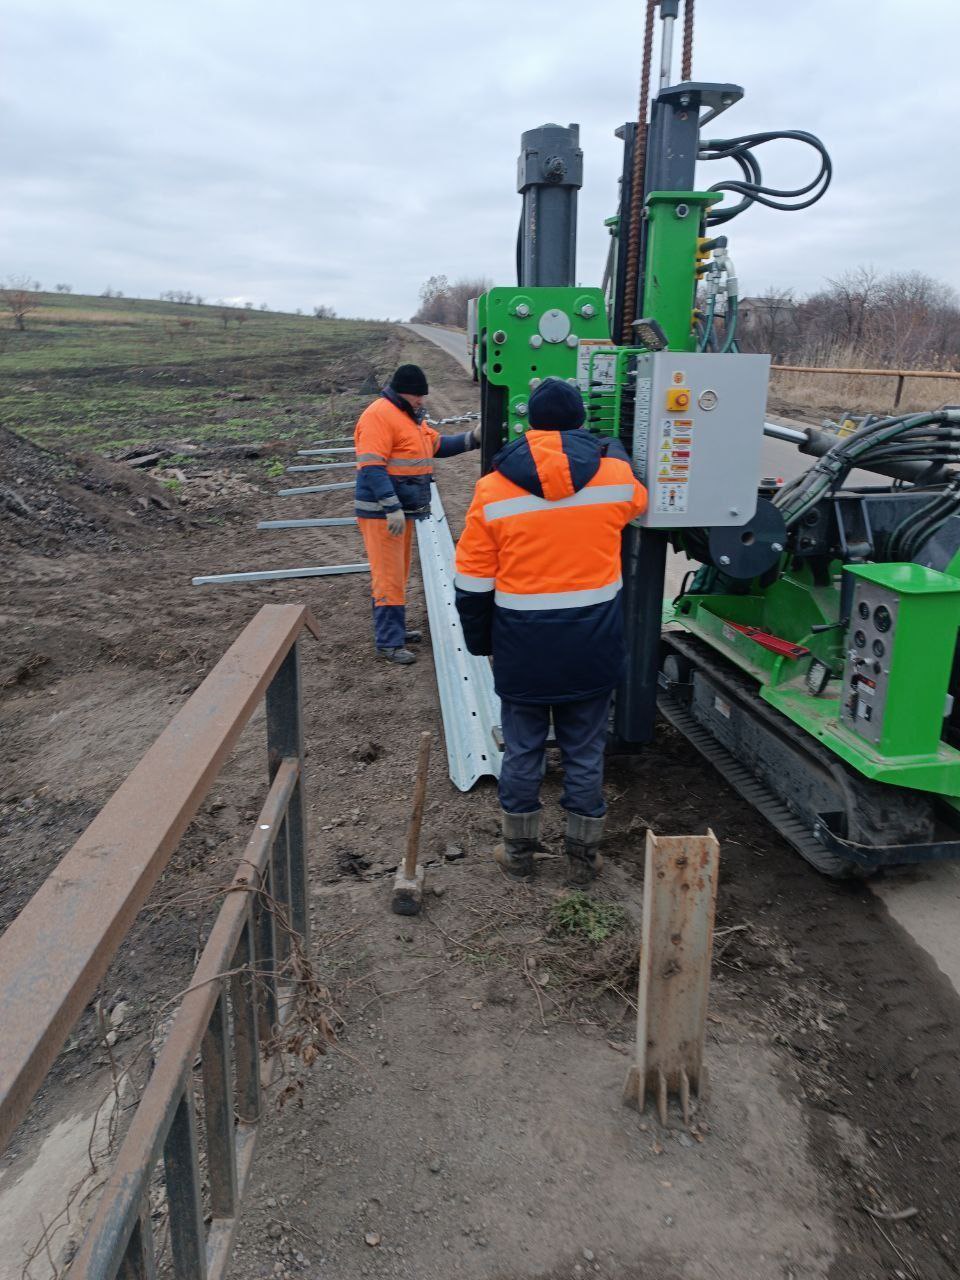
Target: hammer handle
(416, 818)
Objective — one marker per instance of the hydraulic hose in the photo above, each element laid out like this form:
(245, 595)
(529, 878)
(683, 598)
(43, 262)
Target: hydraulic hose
(731, 329)
(751, 187)
(903, 447)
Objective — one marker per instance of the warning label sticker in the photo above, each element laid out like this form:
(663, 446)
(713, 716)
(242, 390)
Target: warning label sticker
(641, 427)
(604, 371)
(674, 457)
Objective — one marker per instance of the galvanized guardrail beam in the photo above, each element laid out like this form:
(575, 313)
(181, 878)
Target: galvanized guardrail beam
(322, 466)
(322, 453)
(468, 704)
(317, 522)
(277, 575)
(314, 488)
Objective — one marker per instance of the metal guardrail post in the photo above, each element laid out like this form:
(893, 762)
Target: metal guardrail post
(285, 739)
(265, 966)
(139, 1261)
(243, 1002)
(182, 1177)
(679, 902)
(218, 1112)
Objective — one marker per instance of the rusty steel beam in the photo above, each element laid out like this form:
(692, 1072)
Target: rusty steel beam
(105, 1240)
(56, 951)
(676, 950)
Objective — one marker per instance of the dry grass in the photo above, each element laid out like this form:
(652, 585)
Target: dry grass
(83, 315)
(837, 393)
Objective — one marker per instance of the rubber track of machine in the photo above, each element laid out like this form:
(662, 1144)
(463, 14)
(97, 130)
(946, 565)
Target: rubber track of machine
(875, 813)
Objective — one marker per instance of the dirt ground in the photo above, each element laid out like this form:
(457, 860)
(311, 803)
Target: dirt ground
(468, 1121)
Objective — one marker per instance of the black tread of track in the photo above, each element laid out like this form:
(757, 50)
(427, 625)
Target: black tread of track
(742, 780)
(741, 687)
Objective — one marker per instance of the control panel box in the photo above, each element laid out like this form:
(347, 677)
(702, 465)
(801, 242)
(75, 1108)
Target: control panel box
(901, 641)
(697, 436)
(866, 675)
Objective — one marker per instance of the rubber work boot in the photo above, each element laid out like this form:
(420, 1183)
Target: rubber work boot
(402, 657)
(412, 637)
(582, 847)
(520, 842)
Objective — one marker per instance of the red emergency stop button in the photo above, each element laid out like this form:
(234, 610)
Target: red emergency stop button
(678, 399)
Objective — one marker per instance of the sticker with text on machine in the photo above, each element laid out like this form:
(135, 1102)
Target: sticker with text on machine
(674, 457)
(596, 364)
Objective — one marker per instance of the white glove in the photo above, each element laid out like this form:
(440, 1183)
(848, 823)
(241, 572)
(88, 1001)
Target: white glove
(477, 432)
(396, 523)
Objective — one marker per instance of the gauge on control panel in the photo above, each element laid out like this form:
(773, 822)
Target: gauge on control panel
(879, 648)
(863, 609)
(881, 618)
(859, 639)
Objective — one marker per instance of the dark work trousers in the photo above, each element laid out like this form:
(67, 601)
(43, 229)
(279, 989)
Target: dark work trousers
(581, 732)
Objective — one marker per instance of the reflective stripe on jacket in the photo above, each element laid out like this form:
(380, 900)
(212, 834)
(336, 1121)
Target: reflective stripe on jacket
(538, 565)
(395, 452)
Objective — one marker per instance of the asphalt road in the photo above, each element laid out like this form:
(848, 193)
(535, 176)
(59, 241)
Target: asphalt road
(924, 901)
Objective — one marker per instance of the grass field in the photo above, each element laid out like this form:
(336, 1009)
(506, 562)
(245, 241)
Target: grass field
(109, 373)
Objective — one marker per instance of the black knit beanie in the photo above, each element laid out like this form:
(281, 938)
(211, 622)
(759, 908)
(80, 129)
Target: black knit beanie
(411, 379)
(556, 406)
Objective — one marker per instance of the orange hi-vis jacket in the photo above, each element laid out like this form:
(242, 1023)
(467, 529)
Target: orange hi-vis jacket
(395, 452)
(538, 565)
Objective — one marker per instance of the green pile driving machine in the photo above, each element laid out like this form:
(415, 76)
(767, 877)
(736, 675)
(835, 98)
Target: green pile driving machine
(811, 652)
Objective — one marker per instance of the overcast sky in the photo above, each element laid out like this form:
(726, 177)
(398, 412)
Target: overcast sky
(305, 151)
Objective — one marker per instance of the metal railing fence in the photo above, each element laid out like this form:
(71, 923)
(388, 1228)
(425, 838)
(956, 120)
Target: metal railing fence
(899, 374)
(56, 951)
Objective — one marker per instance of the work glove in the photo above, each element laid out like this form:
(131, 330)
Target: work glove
(396, 523)
(477, 432)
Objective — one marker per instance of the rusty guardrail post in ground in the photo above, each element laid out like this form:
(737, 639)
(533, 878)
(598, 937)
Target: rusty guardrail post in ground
(679, 900)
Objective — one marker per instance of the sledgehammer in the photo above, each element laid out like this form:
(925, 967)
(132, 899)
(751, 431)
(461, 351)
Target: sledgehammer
(408, 883)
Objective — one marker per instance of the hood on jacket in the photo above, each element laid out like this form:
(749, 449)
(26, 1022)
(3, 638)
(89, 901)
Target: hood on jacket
(404, 406)
(553, 464)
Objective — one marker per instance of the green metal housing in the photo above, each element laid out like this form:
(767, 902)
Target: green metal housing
(531, 334)
(911, 753)
(674, 226)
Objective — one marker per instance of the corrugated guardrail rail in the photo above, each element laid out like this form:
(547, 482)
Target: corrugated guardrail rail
(56, 951)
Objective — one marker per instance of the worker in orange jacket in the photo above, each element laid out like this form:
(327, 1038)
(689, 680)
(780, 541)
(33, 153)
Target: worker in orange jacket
(538, 587)
(395, 451)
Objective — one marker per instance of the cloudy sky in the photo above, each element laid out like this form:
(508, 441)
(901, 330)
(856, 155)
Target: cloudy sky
(306, 151)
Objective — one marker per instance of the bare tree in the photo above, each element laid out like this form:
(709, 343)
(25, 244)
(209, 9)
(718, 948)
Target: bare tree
(264, 307)
(64, 288)
(324, 313)
(768, 320)
(905, 320)
(445, 303)
(19, 299)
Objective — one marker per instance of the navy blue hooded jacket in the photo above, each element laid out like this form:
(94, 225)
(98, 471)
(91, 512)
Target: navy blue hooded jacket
(538, 565)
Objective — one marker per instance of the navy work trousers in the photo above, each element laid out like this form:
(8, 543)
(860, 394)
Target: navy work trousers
(581, 732)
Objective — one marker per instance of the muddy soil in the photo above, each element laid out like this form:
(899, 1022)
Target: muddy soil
(468, 1122)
